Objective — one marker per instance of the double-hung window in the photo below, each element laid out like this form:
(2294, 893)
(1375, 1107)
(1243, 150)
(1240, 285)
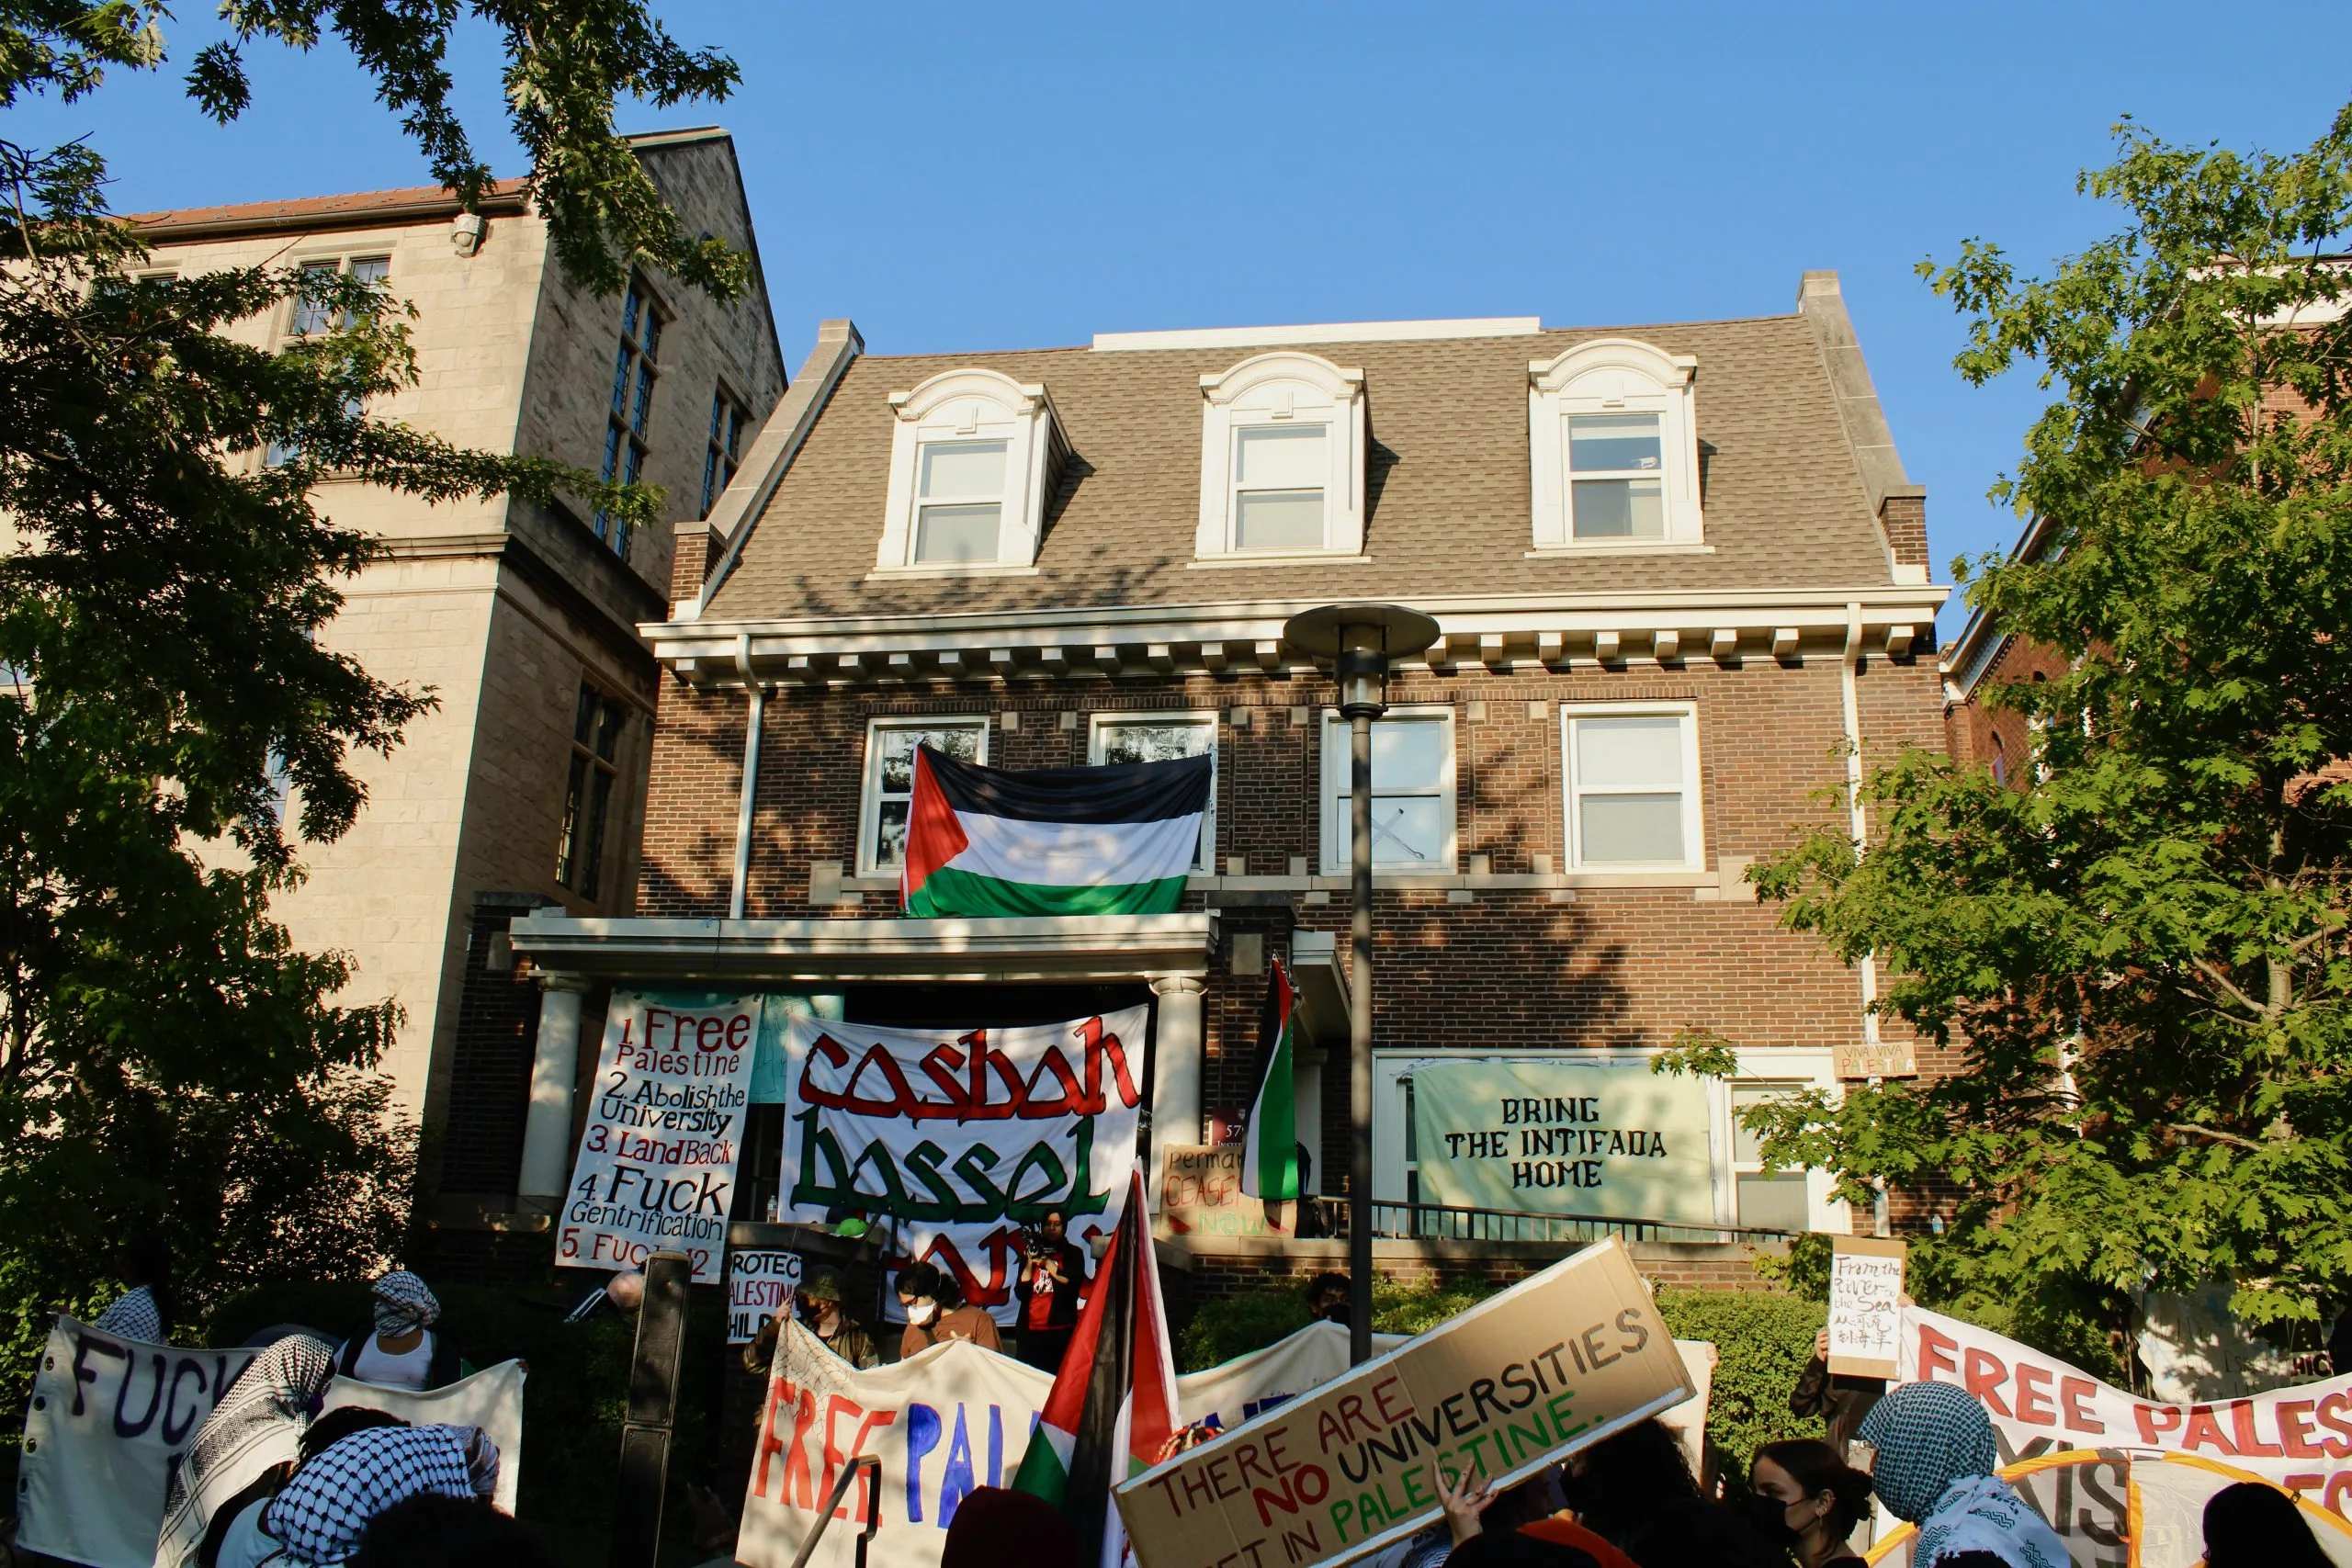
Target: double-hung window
(1282, 460)
(1613, 449)
(315, 318)
(596, 725)
(1278, 475)
(637, 365)
(1632, 786)
(1412, 791)
(1162, 737)
(725, 448)
(1768, 1200)
(890, 779)
(959, 502)
(1615, 485)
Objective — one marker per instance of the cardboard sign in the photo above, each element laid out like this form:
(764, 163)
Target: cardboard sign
(1565, 1137)
(759, 1286)
(1865, 1305)
(1887, 1059)
(1557, 1361)
(1200, 1194)
(658, 1156)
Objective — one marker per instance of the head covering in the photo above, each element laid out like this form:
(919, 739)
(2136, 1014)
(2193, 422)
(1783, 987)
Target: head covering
(327, 1506)
(258, 1424)
(1936, 1456)
(2249, 1523)
(822, 1284)
(402, 1303)
(997, 1528)
(134, 1316)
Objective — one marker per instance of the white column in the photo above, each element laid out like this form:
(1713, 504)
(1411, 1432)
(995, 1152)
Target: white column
(1175, 1071)
(554, 1069)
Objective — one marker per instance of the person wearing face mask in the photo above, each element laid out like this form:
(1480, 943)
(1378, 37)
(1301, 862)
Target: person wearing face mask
(819, 1303)
(1801, 1494)
(936, 1312)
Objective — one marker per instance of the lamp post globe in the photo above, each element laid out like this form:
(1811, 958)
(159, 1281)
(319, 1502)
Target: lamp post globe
(1360, 640)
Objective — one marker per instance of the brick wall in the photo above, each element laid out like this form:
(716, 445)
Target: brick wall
(2000, 738)
(1904, 516)
(498, 1030)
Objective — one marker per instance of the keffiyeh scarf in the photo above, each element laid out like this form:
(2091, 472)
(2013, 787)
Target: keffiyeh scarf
(329, 1502)
(258, 1423)
(1935, 1457)
(133, 1315)
(1982, 1514)
(402, 1303)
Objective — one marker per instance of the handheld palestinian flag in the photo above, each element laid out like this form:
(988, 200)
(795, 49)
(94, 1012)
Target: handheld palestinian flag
(1112, 841)
(1270, 1147)
(1113, 1411)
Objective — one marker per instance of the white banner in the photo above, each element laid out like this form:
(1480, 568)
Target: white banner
(658, 1155)
(109, 1419)
(759, 1286)
(491, 1398)
(947, 1421)
(2300, 1438)
(956, 1140)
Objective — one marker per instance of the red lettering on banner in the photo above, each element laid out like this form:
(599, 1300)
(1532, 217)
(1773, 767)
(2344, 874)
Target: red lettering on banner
(836, 1407)
(2337, 1485)
(2294, 1417)
(1937, 1352)
(857, 1446)
(795, 1459)
(2332, 1411)
(2311, 1481)
(769, 1442)
(1983, 1378)
(2249, 1442)
(2156, 1421)
(2033, 1395)
(2203, 1430)
(2075, 1395)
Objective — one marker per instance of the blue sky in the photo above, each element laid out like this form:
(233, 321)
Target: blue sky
(1023, 176)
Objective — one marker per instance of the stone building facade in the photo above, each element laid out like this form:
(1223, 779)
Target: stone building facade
(1682, 587)
(526, 785)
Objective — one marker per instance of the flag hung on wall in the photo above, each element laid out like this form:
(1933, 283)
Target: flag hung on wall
(1110, 841)
(1270, 1147)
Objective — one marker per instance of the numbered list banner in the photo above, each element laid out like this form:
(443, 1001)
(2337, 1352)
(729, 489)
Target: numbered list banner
(664, 1133)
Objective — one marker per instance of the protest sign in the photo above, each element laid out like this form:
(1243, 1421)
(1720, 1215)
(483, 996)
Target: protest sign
(1563, 1136)
(963, 1138)
(1687, 1420)
(491, 1398)
(759, 1286)
(1865, 1305)
(658, 1155)
(1557, 1361)
(109, 1419)
(2299, 1438)
(1200, 1194)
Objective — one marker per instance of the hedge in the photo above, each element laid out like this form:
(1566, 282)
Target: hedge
(1762, 1340)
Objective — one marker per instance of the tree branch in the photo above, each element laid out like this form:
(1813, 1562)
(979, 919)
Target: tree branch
(2214, 1133)
(2215, 975)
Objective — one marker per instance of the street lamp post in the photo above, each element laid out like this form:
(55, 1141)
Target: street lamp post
(1360, 640)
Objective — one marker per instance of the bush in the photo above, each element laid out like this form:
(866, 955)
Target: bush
(1762, 1341)
(1235, 1325)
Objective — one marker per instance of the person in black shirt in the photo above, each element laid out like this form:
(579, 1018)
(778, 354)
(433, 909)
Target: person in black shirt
(1841, 1402)
(1052, 1273)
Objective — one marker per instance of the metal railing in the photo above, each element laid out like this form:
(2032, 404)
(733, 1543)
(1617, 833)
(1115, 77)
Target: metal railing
(1438, 1221)
(869, 1466)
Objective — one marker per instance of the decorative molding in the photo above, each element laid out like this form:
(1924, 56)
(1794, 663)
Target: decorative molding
(1612, 375)
(1326, 332)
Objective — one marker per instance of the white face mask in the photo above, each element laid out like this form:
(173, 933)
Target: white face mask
(921, 1311)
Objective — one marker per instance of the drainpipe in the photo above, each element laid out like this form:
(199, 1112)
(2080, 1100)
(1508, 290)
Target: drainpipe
(1849, 671)
(755, 713)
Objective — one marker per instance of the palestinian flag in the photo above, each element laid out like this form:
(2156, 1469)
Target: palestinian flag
(1115, 840)
(1112, 1408)
(1270, 1147)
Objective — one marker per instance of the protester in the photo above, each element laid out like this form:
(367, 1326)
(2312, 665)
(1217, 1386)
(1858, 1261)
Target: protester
(324, 1510)
(997, 1528)
(1515, 1549)
(1801, 1491)
(2254, 1525)
(817, 1301)
(430, 1531)
(936, 1312)
(263, 1414)
(1695, 1533)
(1326, 1298)
(1840, 1401)
(141, 1312)
(1934, 1469)
(1535, 1508)
(1621, 1481)
(1052, 1274)
(402, 1350)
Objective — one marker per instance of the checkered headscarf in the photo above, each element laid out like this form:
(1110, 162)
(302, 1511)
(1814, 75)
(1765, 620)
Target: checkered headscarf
(1929, 1435)
(328, 1505)
(403, 1304)
(133, 1316)
(282, 1386)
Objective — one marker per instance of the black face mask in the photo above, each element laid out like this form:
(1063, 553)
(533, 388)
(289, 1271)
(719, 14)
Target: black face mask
(1768, 1517)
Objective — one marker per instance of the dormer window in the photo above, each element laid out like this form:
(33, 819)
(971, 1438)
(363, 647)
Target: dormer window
(1614, 448)
(973, 458)
(1282, 460)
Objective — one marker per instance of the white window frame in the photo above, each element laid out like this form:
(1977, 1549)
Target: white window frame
(1613, 376)
(1694, 826)
(1337, 754)
(1282, 389)
(1784, 1083)
(1205, 864)
(870, 788)
(1803, 1066)
(972, 404)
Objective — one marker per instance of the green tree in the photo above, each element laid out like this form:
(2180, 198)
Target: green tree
(167, 1059)
(2140, 949)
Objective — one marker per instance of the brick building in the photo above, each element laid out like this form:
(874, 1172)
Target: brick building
(1679, 577)
(527, 786)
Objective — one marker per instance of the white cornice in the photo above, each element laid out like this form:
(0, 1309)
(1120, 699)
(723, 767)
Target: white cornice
(1323, 331)
(1499, 633)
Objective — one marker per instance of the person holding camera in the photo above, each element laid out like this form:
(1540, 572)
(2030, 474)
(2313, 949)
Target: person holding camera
(1052, 1273)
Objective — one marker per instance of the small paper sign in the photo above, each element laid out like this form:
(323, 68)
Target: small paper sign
(1887, 1059)
(1865, 1305)
(759, 1286)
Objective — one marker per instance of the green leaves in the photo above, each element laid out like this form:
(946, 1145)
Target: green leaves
(2139, 946)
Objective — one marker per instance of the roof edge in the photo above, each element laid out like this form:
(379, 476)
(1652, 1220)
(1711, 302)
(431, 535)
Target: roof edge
(781, 437)
(1822, 303)
(243, 218)
(1324, 332)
